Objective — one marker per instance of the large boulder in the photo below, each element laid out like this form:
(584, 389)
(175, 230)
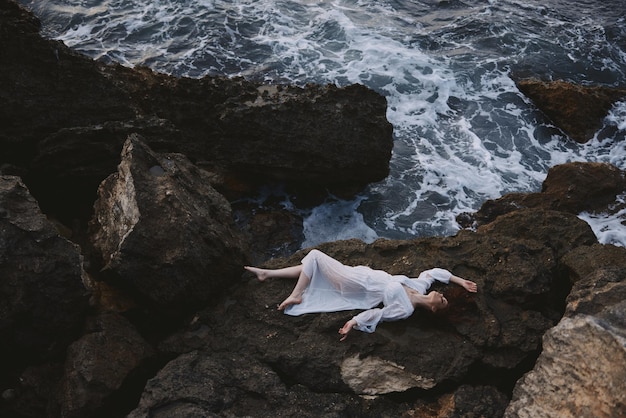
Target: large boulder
(565, 383)
(42, 297)
(582, 368)
(161, 231)
(206, 384)
(577, 110)
(318, 135)
(101, 363)
(203, 384)
(488, 338)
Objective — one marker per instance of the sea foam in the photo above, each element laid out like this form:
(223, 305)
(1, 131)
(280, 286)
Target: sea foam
(463, 132)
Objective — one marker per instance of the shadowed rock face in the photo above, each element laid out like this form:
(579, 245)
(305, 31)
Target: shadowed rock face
(163, 232)
(524, 262)
(581, 369)
(42, 297)
(99, 363)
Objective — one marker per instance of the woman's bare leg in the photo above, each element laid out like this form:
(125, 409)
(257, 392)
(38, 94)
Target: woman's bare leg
(295, 297)
(285, 273)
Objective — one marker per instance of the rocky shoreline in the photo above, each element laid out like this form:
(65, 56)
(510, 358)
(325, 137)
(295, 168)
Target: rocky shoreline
(121, 280)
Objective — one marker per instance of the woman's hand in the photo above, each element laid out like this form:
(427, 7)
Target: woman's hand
(465, 284)
(469, 286)
(346, 329)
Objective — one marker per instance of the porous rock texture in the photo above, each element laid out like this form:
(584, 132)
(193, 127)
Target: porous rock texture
(581, 371)
(574, 188)
(577, 110)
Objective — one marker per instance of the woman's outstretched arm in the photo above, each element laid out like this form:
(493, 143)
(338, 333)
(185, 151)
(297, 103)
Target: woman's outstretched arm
(466, 284)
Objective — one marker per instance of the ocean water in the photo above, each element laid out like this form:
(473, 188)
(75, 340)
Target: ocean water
(463, 132)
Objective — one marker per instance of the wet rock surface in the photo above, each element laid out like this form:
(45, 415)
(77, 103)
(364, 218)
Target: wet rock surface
(574, 188)
(577, 110)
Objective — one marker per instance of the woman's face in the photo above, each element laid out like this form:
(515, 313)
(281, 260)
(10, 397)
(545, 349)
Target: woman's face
(439, 301)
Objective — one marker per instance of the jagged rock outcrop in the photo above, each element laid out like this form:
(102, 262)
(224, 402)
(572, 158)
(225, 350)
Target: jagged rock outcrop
(577, 110)
(162, 231)
(42, 297)
(524, 261)
(65, 118)
(574, 188)
(489, 338)
(582, 368)
(486, 338)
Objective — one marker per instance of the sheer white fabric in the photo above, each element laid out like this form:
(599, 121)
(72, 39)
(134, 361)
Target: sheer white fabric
(337, 287)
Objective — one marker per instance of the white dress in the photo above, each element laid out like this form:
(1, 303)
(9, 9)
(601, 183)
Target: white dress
(337, 287)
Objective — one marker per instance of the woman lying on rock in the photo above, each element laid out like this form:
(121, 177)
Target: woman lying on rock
(326, 285)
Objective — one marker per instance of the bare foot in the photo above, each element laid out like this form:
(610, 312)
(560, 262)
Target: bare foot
(291, 300)
(260, 274)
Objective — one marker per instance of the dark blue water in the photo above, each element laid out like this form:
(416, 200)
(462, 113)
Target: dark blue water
(463, 131)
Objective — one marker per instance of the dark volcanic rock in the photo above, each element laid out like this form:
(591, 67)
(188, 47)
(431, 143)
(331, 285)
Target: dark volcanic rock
(99, 363)
(240, 356)
(573, 187)
(582, 369)
(203, 384)
(319, 135)
(486, 338)
(223, 384)
(575, 109)
(161, 230)
(65, 118)
(463, 402)
(42, 297)
(599, 276)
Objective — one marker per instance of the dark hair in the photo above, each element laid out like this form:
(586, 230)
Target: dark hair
(461, 308)
(461, 305)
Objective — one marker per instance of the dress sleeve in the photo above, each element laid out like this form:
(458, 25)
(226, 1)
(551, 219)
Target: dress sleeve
(366, 321)
(439, 274)
(427, 278)
(396, 306)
